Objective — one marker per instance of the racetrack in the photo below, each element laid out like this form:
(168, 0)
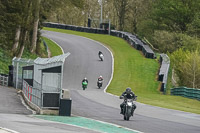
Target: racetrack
(94, 103)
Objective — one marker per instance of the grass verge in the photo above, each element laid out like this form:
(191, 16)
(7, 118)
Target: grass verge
(55, 49)
(131, 69)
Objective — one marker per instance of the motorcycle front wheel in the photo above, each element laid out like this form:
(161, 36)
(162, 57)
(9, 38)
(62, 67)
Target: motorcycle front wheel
(126, 117)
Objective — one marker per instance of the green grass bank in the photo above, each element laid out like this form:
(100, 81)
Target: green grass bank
(132, 69)
(52, 46)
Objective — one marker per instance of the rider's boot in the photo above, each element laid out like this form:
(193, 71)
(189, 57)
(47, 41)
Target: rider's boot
(121, 111)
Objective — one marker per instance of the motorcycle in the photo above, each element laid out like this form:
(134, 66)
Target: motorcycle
(101, 57)
(128, 108)
(84, 85)
(99, 83)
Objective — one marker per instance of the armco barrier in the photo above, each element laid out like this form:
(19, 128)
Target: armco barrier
(186, 92)
(163, 72)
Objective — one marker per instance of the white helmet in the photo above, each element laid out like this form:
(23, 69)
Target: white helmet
(100, 76)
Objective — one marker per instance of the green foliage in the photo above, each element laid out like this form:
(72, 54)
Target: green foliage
(187, 67)
(175, 15)
(77, 3)
(194, 27)
(171, 41)
(5, 61)
(166, 41)
(190, 43)
(28, 55)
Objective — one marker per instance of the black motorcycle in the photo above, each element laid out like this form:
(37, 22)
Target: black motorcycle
(99, 83)
(128, 109)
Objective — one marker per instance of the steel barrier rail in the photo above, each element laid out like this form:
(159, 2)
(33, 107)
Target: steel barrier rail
(163, 71)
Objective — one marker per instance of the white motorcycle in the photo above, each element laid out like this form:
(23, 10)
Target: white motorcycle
(101, 57)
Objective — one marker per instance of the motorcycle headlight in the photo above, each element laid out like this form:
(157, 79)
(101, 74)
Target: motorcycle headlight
(129, 104)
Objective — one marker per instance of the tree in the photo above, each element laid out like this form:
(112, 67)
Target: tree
(35, 24)
(194, 27)
(187, 67)
(174, 15)
(121, 8)
(191, 70)
(166, 41)
(138, 12)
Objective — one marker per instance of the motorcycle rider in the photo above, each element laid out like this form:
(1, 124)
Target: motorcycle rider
(100, 81)
(85, 79)
(100, 78)
(128, 94)
(100, 53)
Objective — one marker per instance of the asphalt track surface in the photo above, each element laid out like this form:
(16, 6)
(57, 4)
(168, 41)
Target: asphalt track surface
(94, 103)
(16, 118)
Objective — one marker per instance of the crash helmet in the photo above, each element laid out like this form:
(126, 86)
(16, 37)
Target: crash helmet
(100, 76)
(128, 90)
(85, 78)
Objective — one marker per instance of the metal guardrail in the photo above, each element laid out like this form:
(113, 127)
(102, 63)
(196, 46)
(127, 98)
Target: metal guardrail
(3, 80)
(186, 92)
(45, 45)
(163, 71)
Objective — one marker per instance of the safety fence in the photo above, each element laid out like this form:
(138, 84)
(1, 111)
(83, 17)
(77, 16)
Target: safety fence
(186, 92)
(43, 98)
(163, 72)
(3, 80)
(32, 94)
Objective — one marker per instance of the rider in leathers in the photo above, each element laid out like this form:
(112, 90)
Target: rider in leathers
(128, 94)
(85, 79)
(100, 78)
